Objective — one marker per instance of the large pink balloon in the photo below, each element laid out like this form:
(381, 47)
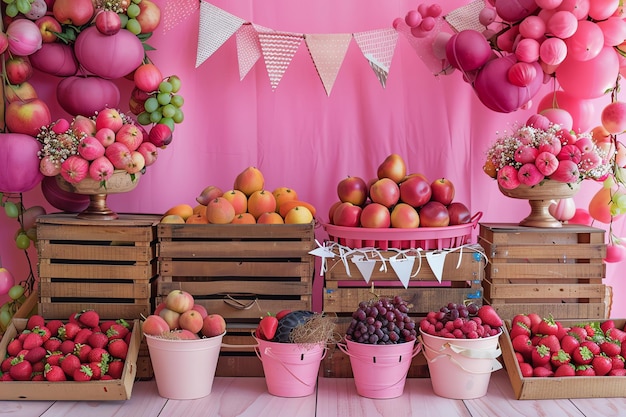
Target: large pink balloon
(580, 8)
(19, 163)
(55, 58)
(532, 27)
(497, 93)
(589, 79)
(61, 199)
(468, 50)
(581, 110)
(602, 9)
(86, 95)
(514, 10)
(553, 51)
(614, 30)
(586, 43)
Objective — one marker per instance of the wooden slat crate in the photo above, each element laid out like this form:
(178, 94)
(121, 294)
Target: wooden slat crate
(556, 271)
(462, 276)
(240, 272)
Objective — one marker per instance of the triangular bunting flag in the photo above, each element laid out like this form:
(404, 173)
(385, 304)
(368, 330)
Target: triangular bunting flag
(364, 265)
(327, 52)
(378, 47)
(177, 11)
(248, 49)
(466, 17)
(216, 27)
(436, 260)
(403, 267)
(278, 49)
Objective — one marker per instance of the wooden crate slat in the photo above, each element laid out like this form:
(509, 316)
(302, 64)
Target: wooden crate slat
(88, 290)
(198, 288)
(222, 268)
(90, 253)
(584, 311)
(106, 310)
(295, 232)
(548, 253)
(511, 234)
(532, 291)
(552, 271)
(138, 272)
(234, 249)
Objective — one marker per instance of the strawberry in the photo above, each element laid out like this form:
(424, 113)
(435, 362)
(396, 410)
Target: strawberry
(54, 326)
(617, 372)
(592, 346)
(560, 358)
(21, 370)
(106, 377)
(44, 332)
(118, 348)
(88, 318)
(35, 321)
(38, 376)
(117, 331)
(585, 370)
(489, 316)
(82, 351)
(97, 369)
(611, 347)
(6, 364)
(69, 363)
(54, 358)
(578, 332)
(282, 313)
(269, 325)
(98, 355)
(98, 340)
(551, 341)
(602, 365)
(82, 336)
(105, 325)
(542, 371)
(569, 343)
(52, 344)
(582, 356)
(83, 373)
(519, 328)
(592, 328)
(67, 347)
(607, 325)
(565, 370)
(526, 369)
(116, 367)
(616, 334)
(54, 373)
(535, 319)
(6, 377)
(36, 354)
(540, 355)
(547, 326)
(523, 345)
(617, 362)
(68, 331)
(521, 319)
(14, 347)
(32, 340)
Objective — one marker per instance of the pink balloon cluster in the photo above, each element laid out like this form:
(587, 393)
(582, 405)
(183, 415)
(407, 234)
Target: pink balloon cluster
(422, 20)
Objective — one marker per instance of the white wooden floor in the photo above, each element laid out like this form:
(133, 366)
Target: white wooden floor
(248, 397)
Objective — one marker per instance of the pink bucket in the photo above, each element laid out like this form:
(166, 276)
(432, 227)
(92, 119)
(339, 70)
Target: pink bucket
(380, 370)
(290, 369)
(184, 369)
(461, 368)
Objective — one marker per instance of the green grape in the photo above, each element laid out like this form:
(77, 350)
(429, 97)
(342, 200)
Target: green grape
(11, 210)
(143, 118)
(22, 241)
(133, 10)
(168, 110)
(156, 116)
(165, 87)
(136, 1)
(123, 20)
(5, 307)
(16, 292)
(167, 121)
(178, 116)
(175, 81)
(11, 10)
(133, 26)
(23, 6)
(164, 98)
(177, 100)
(5, 319)
(151, 104)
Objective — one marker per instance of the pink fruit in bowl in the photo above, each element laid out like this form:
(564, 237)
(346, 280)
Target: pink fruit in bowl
(110, 118)
(404, 216)
(49, 167)
(442, 191)
(507, 177)
(119, 154)
(525, 154)
(546, 163)
(101, 169)
(108, 22)
(375, 215)
(171, 317)
(82, 125)
(129, 135)
(529, 174)
(149, 152)
(154, 325)
(191, 320)
(571, 152)
(434, 214)
(214, 325)
(106, 136)
(567, 171)
(385, 191)
(90, 148)
(347, 214)
(179, 301)
(415, 191)
(74, 169)
(459, 213)
(137, 162)
(352, 190)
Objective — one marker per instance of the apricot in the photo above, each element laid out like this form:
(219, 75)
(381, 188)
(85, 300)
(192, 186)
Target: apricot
(244, 218)
(283, 194)
(172, 218)
(288, 205)
(299, 215)
(220, 211)
(197, 219)
(270, 218)
(249, 180)
(261, 202)
(183, 210)
(200, 209)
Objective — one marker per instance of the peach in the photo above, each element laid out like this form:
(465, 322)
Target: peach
(179, 301)
(191, 320)
(270, 218)
(249, 180)
(213, 325)
(220, 211)
(238, 199)
(183, 210)
(200, 309)
(299, 215)
(171, 317)
(282, 194)
(155, 325)
(260, 202)
(244, 218)
(197, 219)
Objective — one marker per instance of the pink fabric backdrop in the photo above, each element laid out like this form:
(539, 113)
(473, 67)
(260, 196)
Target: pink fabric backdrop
(301, 138)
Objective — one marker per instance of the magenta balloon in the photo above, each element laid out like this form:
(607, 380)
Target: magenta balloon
(548, 4)
(614, 30)
(602, 9)
(496, 92)
(562, 24)
(514, 10)
(532, 27)
(507, 39)
(468, 50)
(580, 8)
(19, 163)
(581, 110)
(553, 51)
(521, 74)
(108, 56)
(87, 95)
(56, 59)
(586, 43)
(589, 79)
(527, 50)
(61, 199)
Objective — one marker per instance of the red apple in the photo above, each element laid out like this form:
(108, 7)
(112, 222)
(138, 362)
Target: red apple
(200, 309)
(459, 213)
(106, 136)
(129, 135)
(415, 191)
(27, 116)
(108, 22)
(149, 152)
(347, 214)
(375, 215)
(179, 301)
(149, 16)
(48, 25)
(331, 210)
(110, 118)
(191, 320)
(385, 191)
(73, 12)
(18, 69)
(392, 167)
(171, 317)
(442, 191)
(352, 190)
(434, 214)
(404, 216)
(160, 135)
(22, 92)
(213, 324)
(154, 325)
(119, 154)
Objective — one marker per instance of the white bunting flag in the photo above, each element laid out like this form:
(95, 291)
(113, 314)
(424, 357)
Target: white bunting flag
(436, 261)
(364, 265)
(378, 47)
(248, 49)
(216, 27)
(403, 267)
(327, 52)
(278, 49)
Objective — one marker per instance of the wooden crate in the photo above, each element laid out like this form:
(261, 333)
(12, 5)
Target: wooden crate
(462, 276)
(556, 271)
(240, 272)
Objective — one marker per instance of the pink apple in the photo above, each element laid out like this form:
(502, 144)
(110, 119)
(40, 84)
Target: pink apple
(529, 174)
(108, 22)
(149, 16)
(585, 144)
(129, 135)
(101, 169)
(49, 167)
(613, 117)
(73, 12)
(110, 118)
(137, 162)
(106, 136)
(415, 191)
(393, 167)
(375, 215)
(458, 213)
(18, 69)
(149, 152)
(404, 216)
(82, 125)
(385, 191)
(347, 214)
(214, 324)
(352, 190)
(27, 116)
(61, 125)
(547, 163)
(119, 154)
(200, 309)
(48, 25)
(22, 92)
(191, 320)
(154, 325)
(571, 152)
(551, 144)
(171, 317)
(160, 135)
(90, 148)
(179, 301)
(74, 169)
(525, 154)
(434, 214)
(442, 191)
(567, 171)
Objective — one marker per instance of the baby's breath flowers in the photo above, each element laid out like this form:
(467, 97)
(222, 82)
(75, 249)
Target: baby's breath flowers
(59, 143)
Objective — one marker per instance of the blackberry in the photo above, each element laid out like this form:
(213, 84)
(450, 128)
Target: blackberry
(289, 322)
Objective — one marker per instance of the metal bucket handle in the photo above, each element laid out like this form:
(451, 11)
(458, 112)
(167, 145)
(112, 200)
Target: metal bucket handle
(268, 352)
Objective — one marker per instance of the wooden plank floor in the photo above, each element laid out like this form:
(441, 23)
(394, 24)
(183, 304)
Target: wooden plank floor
(248, 397)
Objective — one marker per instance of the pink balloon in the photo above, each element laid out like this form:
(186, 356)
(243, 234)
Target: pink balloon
(553, 51)
(586, 43)
(614, 30)
(559, 117)
(580, 8)
(532, 27)
(545, 14)
(468, 50)
(548, 4)
(514, 10)
(562, 24)
(61, 199)
(602, 9)
(581, 216)
(581, 110)
(527, 50)
(507, 39)
(589, 79)
(521, 74)
(496, 92)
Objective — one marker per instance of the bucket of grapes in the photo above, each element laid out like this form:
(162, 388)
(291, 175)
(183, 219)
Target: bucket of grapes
(381, 343)
(460, 344)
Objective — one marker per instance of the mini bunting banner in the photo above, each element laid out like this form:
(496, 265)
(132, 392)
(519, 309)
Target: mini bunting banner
(327, 53)
(378, 47)
(403, 267)
(364, 265)
(177, 11)
(466, 17)
(436, 261)
(248, 49)
(278, 50)
(216, 27)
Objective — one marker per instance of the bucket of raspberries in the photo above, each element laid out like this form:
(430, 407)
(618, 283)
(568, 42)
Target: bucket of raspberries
(381, 342)
(291, 346)
(460, 343)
